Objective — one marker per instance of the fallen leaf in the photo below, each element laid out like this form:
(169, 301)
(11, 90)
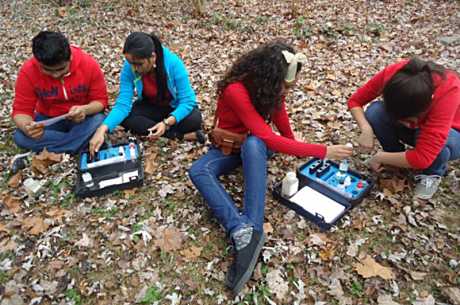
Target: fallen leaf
(278, 286)
(368, 267)
(417, 276)
(42, 161)
(12, 203)
(35, 225)
(318, 239)
(191, 253)
(268, 229)
(129, 193)
(327, 254)
(170, 239)
(85, 242)
(393, 185)
(15, 180)
(150, 161)
(386, 300)
(429, 300)
(3, 228)
(56, 213)
(453, 293)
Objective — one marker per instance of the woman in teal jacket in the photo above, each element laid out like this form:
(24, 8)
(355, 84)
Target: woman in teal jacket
(165, 104)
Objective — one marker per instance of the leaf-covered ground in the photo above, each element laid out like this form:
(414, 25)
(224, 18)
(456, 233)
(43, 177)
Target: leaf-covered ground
(159, 244)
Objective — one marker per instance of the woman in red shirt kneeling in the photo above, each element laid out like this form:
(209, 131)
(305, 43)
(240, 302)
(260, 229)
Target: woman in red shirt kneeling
(251, 94)
(421, 108)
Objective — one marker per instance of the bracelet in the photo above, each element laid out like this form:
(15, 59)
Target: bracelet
(165, 121)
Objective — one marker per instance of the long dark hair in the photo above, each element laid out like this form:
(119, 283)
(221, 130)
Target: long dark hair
(142, 45)
(262, 71)
(409, 92)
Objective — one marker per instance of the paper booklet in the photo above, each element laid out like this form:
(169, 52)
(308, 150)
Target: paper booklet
(315, 203)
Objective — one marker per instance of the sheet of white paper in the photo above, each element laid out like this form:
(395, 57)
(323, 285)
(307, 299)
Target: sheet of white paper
(51, 121)
(314, 202)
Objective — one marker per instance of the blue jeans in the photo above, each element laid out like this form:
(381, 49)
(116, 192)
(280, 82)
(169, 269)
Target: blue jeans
(62, 137)
(392, 135)
(206, 171)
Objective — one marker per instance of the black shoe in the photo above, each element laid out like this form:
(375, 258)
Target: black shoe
(245, 261)
(200, 136)
(19, 162)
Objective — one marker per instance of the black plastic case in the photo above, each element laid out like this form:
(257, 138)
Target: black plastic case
(110, 171)
(339, 198)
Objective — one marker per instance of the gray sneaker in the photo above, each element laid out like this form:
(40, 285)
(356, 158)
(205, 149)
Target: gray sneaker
(426, 186)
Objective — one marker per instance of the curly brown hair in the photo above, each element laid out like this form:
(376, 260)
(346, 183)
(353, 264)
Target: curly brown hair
(262, 72)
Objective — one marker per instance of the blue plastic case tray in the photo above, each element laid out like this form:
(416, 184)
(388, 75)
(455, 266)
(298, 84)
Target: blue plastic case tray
(325, 185)
(132, 166)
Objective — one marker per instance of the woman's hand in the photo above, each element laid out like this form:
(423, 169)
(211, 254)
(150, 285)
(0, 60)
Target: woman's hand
(366, 140)
(339, 152)
(375, 163)
(97, 140)
(157, 131)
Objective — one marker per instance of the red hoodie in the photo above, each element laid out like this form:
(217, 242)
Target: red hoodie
(435, 124)
(39, 93)
(236, 113)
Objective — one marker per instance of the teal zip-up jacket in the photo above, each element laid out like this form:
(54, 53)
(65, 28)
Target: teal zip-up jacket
(183, 97)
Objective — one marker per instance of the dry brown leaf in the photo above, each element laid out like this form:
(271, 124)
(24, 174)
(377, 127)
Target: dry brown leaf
(268, 229)
(368, 267)
(150, 162)
(42, 161)
(8, 245)
(129, 193)
(15, 180)
(191, 253)
(12, 203)
(56, 213)
(3, 228)
(327, 254)
(417, 276)
(170, 239)
(35, 225)
(393, 186)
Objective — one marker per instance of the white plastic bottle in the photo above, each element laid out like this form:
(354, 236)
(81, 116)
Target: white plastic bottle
(290, 185)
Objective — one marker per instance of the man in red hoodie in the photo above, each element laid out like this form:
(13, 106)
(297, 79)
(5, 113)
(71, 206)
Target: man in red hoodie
(59, 80)
(421, 108)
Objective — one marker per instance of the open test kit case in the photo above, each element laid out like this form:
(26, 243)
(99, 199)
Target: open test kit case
(320, 184)
(113, 168)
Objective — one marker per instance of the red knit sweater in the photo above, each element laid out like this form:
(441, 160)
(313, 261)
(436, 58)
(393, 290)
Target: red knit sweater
(443, 114)
(237, 114)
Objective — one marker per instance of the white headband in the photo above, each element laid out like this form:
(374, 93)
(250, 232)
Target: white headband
(293, 60)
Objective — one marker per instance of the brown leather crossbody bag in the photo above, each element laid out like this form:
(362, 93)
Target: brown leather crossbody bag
(228, 142)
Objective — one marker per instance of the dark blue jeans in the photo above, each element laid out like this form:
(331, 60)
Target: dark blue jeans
(62, 137)
(392, 135)
(206, 171)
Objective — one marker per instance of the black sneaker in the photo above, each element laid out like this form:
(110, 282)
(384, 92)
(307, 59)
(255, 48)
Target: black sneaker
(19, 162)
(244, 263)
(200, 136)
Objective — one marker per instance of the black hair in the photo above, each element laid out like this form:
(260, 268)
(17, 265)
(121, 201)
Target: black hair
(409, 92)
(262, 71)
(51, 48)
(143, 45)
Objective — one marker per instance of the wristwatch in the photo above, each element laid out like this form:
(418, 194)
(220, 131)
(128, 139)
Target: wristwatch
(165, 121)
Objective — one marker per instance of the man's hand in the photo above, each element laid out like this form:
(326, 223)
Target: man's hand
(77, 113)
(339, 152)
(157, 131)
(366, 140)
(375, 163)
(97, 140)
(33, 130)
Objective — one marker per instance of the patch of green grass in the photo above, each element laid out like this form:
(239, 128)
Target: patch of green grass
(74, 296)
(4, 277)
(356, 289)
(152, 295)
(106, 213)
(301, 30)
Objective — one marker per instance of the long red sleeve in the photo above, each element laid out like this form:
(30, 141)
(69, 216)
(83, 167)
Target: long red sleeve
(237, 114)
(443, 114)
(281, 120)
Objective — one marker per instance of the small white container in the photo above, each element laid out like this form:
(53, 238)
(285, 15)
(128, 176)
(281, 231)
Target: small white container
(290, 185)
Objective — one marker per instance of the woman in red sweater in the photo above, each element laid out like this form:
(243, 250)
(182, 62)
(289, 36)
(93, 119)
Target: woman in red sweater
(421, 108)
(251, 94)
